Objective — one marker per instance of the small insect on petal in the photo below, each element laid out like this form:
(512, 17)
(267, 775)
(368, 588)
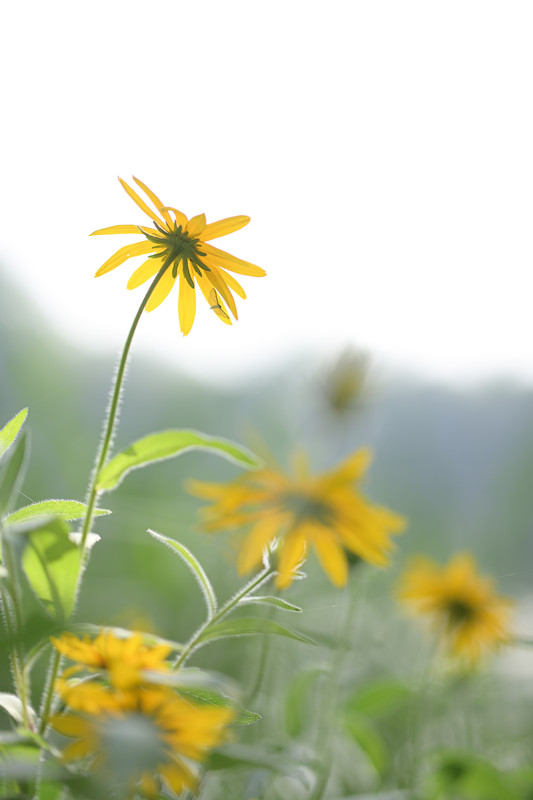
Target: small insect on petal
(214, 305)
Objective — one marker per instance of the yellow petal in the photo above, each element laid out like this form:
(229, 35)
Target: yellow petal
(217, 281)
(216, 305)
(223, 227)
(142, 205)
(292, 554)
(155, 200)
(116, 229)
(331, 556)
(231, 262)
(181, 219)
(162, 290)
(128, 251)
(186, 305)
(147, 270)
(232, 283)
(196, 225)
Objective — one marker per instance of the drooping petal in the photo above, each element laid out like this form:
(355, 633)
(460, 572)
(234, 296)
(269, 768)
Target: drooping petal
(223, 227)
(331, 556)
(128, 251)
(117, 229)
(196, 225)
(231, 262)
(140, 202)
(217, 281)
(291, 556)
(232, 283)
(146, 271)
(186, 305)
(155, 200)
(161, 291)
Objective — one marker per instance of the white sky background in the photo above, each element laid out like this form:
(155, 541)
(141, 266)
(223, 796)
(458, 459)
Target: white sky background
(384, 151)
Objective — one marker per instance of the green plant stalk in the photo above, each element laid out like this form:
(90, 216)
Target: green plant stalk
(330, 697)
(191, 645)
(92, 492)
(14, 627)
(109, 423)
(48, 696)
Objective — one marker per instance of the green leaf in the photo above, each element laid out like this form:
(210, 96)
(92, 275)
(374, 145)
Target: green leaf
(379, 698)
(204, 696)
(51, 562)
(248, 626)
(9, 432)
(297, 705)
(168, 444)
(271, 601)
(12, 473)
(369, 740)
(195, 567)
(65, 509)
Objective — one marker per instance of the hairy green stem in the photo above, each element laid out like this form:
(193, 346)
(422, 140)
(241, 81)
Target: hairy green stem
(109, 424)
(14, 627)
(53, 669)
(191, 645)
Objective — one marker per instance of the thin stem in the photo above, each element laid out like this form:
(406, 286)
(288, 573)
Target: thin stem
(49, 691)
(15, 626)
(330, 698)
(109, 424)
(191, 645)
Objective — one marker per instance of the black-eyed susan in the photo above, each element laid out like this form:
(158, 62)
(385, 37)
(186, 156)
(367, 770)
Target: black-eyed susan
(461, 603)
(123, 657)
(326, 511)
(147, 738)
(178, 248)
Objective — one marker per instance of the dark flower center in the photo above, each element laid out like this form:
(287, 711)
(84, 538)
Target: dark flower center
(459, 612)
(177, 247)
(305, 508)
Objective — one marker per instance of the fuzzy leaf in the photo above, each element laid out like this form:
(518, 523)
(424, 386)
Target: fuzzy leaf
(9, 432)
(271, 601)
(51, 562)
(369, 740)
(195, 567)
(248, 626)
(168, 444)
(12, 473)
(65, 509)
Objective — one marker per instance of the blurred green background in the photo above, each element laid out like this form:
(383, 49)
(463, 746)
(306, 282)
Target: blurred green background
(457, 462)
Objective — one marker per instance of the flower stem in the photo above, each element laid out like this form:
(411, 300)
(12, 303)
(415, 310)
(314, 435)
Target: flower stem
(109, 424)
(12, 609)
(193, 642)
(55, 662)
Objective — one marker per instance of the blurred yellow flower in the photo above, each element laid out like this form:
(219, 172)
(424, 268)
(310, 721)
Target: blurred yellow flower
(326, 511)
(179, 247)
(461, 603)
(151, 733)
(123, 657)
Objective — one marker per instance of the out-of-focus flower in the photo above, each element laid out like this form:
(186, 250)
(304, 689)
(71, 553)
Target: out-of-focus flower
(345, 383)
(124, 658)
(461, 603)
(326, 511)
(150, 736)
(178, 247)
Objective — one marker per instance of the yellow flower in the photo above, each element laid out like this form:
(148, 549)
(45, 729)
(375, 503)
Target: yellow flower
(325, 510)
(461, 603)
(151, 733)
(123, 657)
(178, 246)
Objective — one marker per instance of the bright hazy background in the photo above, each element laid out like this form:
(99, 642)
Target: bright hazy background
(382, 149)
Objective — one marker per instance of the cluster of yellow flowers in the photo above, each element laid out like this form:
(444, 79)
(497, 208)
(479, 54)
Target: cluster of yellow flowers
(129, 728)
(288, 514)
